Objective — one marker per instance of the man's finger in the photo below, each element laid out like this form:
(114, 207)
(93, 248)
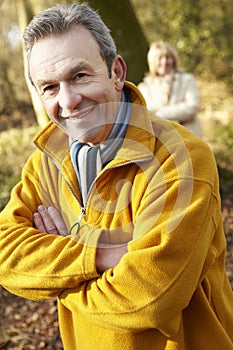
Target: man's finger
(38, 222)
(47, 220)
(58, 221)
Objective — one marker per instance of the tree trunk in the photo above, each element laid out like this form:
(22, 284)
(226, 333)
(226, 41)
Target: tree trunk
(25, 12)
(132, 45)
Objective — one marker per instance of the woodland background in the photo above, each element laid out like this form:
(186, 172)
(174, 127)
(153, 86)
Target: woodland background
(202, 32)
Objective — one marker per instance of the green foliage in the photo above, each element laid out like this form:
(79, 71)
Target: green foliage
(223, 145)
(200, 30)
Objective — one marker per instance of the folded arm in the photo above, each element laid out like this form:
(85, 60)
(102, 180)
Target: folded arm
(140, 289)
(185, 109)
(139, 292)
(49, 220)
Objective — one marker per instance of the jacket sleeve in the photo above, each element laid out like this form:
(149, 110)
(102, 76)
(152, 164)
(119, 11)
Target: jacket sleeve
(185, 103)
(167, 259)
(33, 264)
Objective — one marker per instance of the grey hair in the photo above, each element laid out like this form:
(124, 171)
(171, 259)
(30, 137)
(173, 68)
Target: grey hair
(59, 19)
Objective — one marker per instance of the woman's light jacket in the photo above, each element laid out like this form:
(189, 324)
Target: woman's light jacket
(176, 99)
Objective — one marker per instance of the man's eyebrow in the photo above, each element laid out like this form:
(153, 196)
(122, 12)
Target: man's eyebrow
(41, 83)
(79, 67)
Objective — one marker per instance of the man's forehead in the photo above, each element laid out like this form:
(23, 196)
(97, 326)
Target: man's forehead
(76, 49)
(51, 76)
(77, 41)
(75, 34)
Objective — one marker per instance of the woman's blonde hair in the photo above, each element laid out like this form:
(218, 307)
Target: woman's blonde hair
(164, 48)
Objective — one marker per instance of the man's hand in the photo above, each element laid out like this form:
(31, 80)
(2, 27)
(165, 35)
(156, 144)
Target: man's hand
(108, 256)
(49, 220)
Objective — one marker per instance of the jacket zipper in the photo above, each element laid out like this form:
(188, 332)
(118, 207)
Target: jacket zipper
(76, 226)
(74, 230)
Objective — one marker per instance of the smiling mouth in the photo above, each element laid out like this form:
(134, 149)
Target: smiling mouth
(77, 116)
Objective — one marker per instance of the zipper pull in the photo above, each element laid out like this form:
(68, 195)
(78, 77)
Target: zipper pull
(76, 226)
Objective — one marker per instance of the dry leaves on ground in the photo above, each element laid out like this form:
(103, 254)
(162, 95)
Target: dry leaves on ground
(28, 325)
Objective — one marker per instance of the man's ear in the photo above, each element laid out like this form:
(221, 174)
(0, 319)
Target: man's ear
(119, 72)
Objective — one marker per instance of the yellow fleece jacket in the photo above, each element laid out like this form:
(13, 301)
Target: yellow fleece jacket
(160, 194)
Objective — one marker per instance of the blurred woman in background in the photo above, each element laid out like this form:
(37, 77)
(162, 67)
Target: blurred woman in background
(170, 92)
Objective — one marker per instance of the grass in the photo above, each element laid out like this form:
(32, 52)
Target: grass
(15, 147)
(222, 144)
(217, 121)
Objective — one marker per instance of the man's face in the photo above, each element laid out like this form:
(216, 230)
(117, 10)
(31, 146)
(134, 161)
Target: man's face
(74, 84)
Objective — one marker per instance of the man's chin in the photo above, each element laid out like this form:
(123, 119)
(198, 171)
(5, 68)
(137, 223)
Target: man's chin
(92, 135)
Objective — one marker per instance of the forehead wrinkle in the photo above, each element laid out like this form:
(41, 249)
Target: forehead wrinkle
(80, 66)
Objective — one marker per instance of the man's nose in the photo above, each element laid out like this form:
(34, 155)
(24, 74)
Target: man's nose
(68, 97)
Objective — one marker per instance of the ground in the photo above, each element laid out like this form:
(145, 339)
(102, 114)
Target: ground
(28, 325)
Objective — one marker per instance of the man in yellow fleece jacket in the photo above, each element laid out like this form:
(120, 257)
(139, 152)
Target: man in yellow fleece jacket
(118, 212)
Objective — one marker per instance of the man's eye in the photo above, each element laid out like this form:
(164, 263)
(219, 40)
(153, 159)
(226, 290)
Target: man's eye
(80, 75)
(49, 88)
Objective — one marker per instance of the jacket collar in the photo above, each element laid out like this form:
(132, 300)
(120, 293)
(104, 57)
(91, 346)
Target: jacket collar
(139, 139)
